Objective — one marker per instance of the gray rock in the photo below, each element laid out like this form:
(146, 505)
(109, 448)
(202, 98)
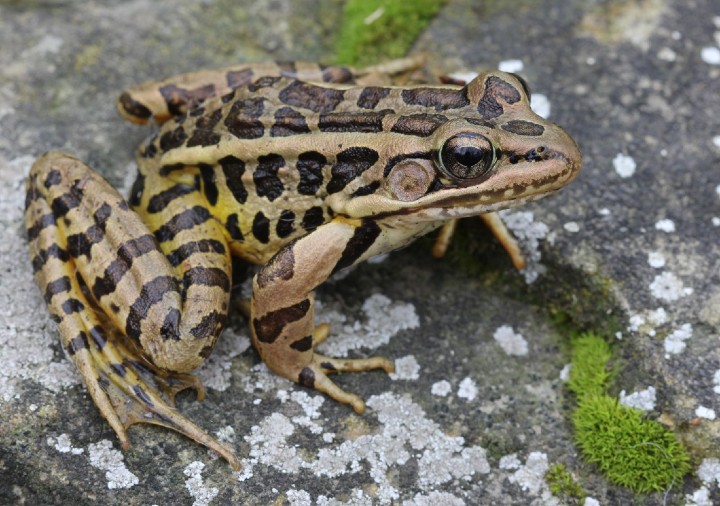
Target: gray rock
(466, 420)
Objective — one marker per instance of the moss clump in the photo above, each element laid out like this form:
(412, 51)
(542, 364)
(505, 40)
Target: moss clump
(376, 30)
(632, 451)
(563, 485)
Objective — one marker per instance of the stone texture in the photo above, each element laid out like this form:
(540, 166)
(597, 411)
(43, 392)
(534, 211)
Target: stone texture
(465, 422)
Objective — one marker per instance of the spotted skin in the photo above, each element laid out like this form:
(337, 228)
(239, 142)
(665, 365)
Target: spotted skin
(291, 166)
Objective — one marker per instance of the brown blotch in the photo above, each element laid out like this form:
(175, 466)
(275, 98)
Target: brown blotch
(288, 122)
(439, 98)
(269, 327)
(203, 134)
(309, 96)
(173, 139)
(210, 326)
(77, 343)
(496, 90)
(133, 107)
(367, 122)
(335, 74)
(179, 100)
(242, 120)
(421, 125)
(303, 344)
(363, 237)
(263, 82)
(280, 266)
(520, 127)
(349, 164)
(238, 78)
(370, 96)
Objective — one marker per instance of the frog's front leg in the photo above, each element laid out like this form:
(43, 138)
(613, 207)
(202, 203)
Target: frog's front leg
(131, 318)
(282, 317)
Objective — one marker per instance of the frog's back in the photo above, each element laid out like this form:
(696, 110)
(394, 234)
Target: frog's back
(268, 155)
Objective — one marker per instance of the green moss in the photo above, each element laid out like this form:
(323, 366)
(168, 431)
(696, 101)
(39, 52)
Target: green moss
(563, 485)
(632, 451)
(589, 373)
(376, 30)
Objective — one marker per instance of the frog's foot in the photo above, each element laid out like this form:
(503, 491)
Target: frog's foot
(128, 391)
(498, 229)
(315, 375)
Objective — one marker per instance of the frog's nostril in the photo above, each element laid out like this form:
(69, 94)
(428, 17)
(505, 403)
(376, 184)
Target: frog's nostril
(540, 149)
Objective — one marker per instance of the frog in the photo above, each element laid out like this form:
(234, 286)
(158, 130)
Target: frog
(301, 169)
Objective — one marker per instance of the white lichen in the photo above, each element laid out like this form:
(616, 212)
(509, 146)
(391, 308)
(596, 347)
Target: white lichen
(675, 342)
(511, 66)
(624, 165)
(443, 388)
(509, 462)
(215, 373)
(510, 341)
(383, 319)
(643, 399)
(657, 317)
(406, 368)
(434, 498)
(540, 105)
(703, 412)
(467, 389)
(404, 432)
(656, 260)
(202, 494)
(709, 472)
(665, 225)
(565, 373)
(64, 445)
(103, 456)
(572, 226)
(668, 287)
(710, 55)
(226, 434)
(701, 497)
(530, 477)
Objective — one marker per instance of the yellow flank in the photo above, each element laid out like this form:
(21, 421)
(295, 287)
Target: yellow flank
(295, 167)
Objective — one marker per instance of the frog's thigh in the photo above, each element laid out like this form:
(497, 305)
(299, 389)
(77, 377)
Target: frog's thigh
(111, 291)
(282, 306)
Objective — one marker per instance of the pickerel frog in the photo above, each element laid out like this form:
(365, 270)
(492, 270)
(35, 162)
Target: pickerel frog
(295, 167)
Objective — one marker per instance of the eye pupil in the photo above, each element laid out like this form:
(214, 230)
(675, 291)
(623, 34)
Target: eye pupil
(468, 155)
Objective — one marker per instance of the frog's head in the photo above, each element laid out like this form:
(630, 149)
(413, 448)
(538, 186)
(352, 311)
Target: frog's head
(490, 154)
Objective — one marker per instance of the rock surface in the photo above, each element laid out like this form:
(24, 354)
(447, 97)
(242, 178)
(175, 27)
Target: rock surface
(477, 411)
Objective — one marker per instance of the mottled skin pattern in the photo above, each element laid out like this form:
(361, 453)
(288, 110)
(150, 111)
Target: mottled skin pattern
(303, 177)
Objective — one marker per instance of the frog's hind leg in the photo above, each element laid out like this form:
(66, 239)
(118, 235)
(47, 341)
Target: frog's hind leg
(107, 285)
(178, 94)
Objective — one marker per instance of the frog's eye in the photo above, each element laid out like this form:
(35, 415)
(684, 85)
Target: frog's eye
(524, 84)
(467, 156)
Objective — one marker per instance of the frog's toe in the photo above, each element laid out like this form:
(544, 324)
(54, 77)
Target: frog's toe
(315, 376)
(320, 333)
(333, 365)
